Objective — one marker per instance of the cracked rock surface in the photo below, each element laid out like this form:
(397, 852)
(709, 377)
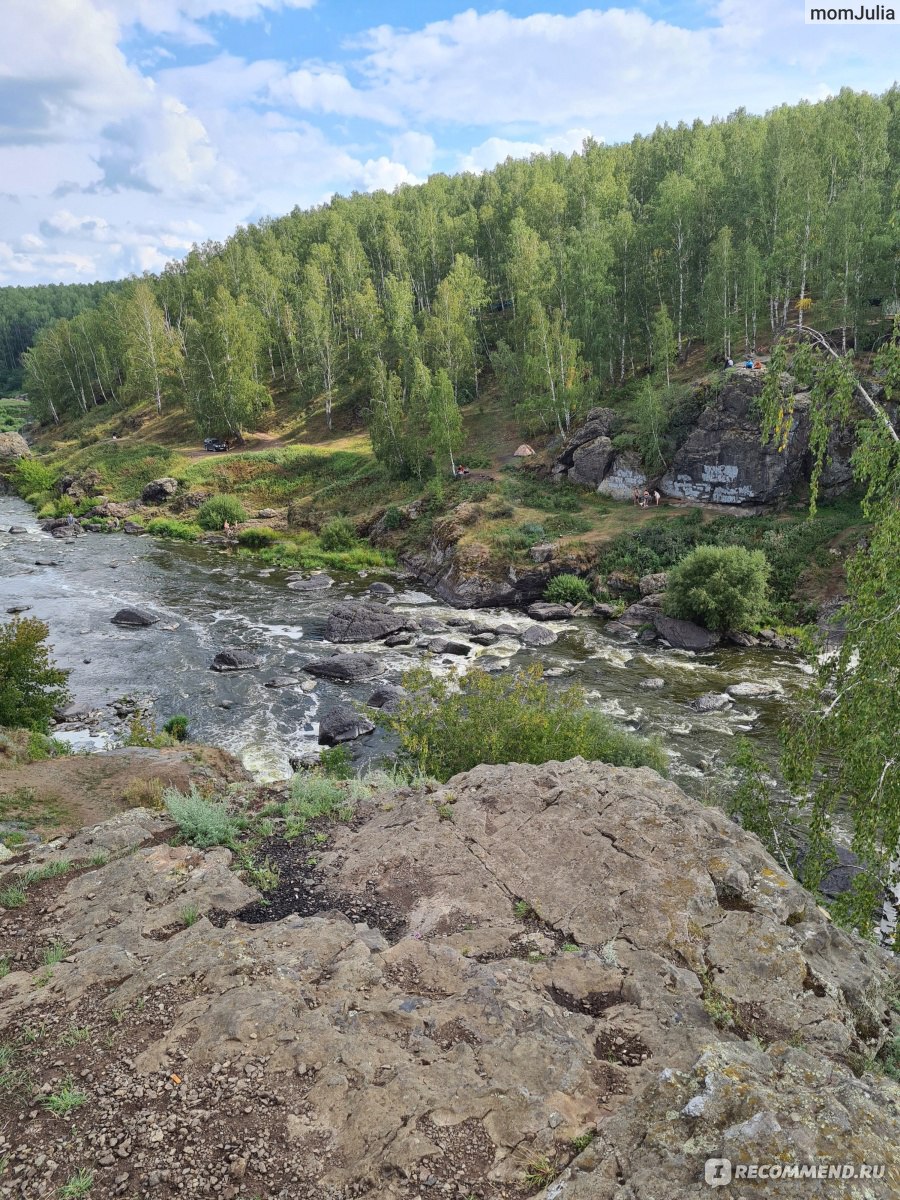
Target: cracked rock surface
(573, 950)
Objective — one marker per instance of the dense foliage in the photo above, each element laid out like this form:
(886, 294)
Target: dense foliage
(721, 587)
(561, 275)
(841, 750)
(446, 726)
(30, 685)
(24, 311)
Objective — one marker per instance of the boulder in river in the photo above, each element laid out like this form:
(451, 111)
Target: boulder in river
(755, 691)
(381, 589)
(538, 635)
(711, 702)
(684, 635)
(234, 660)
(346, 668)
(386, 696)
(356, 622)
(158, 491)
(652, 683)
(281, 681)
(441, 645)
(134, 618)
(543, 610)
(315, 583)
(643, 612)
(342, 724)
(17, 529)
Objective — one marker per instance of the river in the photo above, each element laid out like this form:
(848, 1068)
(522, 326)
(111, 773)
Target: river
(210, 599)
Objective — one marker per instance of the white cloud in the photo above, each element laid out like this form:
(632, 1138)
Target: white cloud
(181, 18)
(384, 174)
(495, 150)
(415, 149)
(327, 90)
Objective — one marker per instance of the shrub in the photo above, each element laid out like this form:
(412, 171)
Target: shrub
(177, 727)
(30, 686)
(721, 587)
(444, 729)
(201, 821)
(568, 589)
(314, 795)
(30, 476)
(214, 512)
(337, 534)
(183, 531)
(393, 517)
(257, 538)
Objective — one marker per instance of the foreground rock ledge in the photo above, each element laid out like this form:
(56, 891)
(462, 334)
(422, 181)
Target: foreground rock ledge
(669, 988)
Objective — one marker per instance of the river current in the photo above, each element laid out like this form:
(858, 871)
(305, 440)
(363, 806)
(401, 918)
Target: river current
(210, 599)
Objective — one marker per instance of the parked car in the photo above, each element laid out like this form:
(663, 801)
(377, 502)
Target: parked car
(214, 444)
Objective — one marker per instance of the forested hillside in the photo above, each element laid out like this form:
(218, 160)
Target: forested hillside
(559, 276)
(26, 310)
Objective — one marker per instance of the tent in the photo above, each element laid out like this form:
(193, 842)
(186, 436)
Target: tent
(523, 451)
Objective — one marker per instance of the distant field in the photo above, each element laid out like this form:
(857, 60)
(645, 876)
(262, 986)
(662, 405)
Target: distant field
(13, 414)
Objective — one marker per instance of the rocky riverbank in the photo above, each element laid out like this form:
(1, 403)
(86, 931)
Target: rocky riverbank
(568, 981)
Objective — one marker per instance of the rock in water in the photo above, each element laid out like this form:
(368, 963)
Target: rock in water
(387, 696)
(755, 691)
(234, 660)
(134, 618)
(281, 681)
(441, 645)
(342, 724)
(346, 668)
(711, 702)
(355, 622)
(542, 610)
(315, 583)
(684, 635)
(652, 684)
(538, 635)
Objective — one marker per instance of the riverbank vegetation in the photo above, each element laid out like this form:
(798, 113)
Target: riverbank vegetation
(448, 725)
(31, 687)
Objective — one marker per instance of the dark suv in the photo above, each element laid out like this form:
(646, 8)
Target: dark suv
(214, 444)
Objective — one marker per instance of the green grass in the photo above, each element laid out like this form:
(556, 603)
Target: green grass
(54, 954)
(313, 796)
(65, 1100)
(13, 896)
(190, 915)
(77, 1035)
(182, 531)
(78, 1184)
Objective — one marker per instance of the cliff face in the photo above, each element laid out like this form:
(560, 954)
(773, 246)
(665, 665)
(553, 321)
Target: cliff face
(465, 985)
(722, 460)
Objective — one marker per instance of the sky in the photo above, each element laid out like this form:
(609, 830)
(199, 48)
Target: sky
(132, 129)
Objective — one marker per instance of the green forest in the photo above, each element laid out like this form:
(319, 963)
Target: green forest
(26, 310)
(559, 278)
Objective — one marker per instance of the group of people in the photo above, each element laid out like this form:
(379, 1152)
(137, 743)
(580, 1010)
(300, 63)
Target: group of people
(643, 501)
(749, 364)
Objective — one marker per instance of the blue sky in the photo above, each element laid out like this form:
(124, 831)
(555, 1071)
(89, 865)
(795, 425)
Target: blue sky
(130, 129)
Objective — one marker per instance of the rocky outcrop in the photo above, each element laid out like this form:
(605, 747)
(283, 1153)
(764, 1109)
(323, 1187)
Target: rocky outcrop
(12, 447)
(158, 491)
(724, 460)
(468, 576)
(466, 981)
(354, 622)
